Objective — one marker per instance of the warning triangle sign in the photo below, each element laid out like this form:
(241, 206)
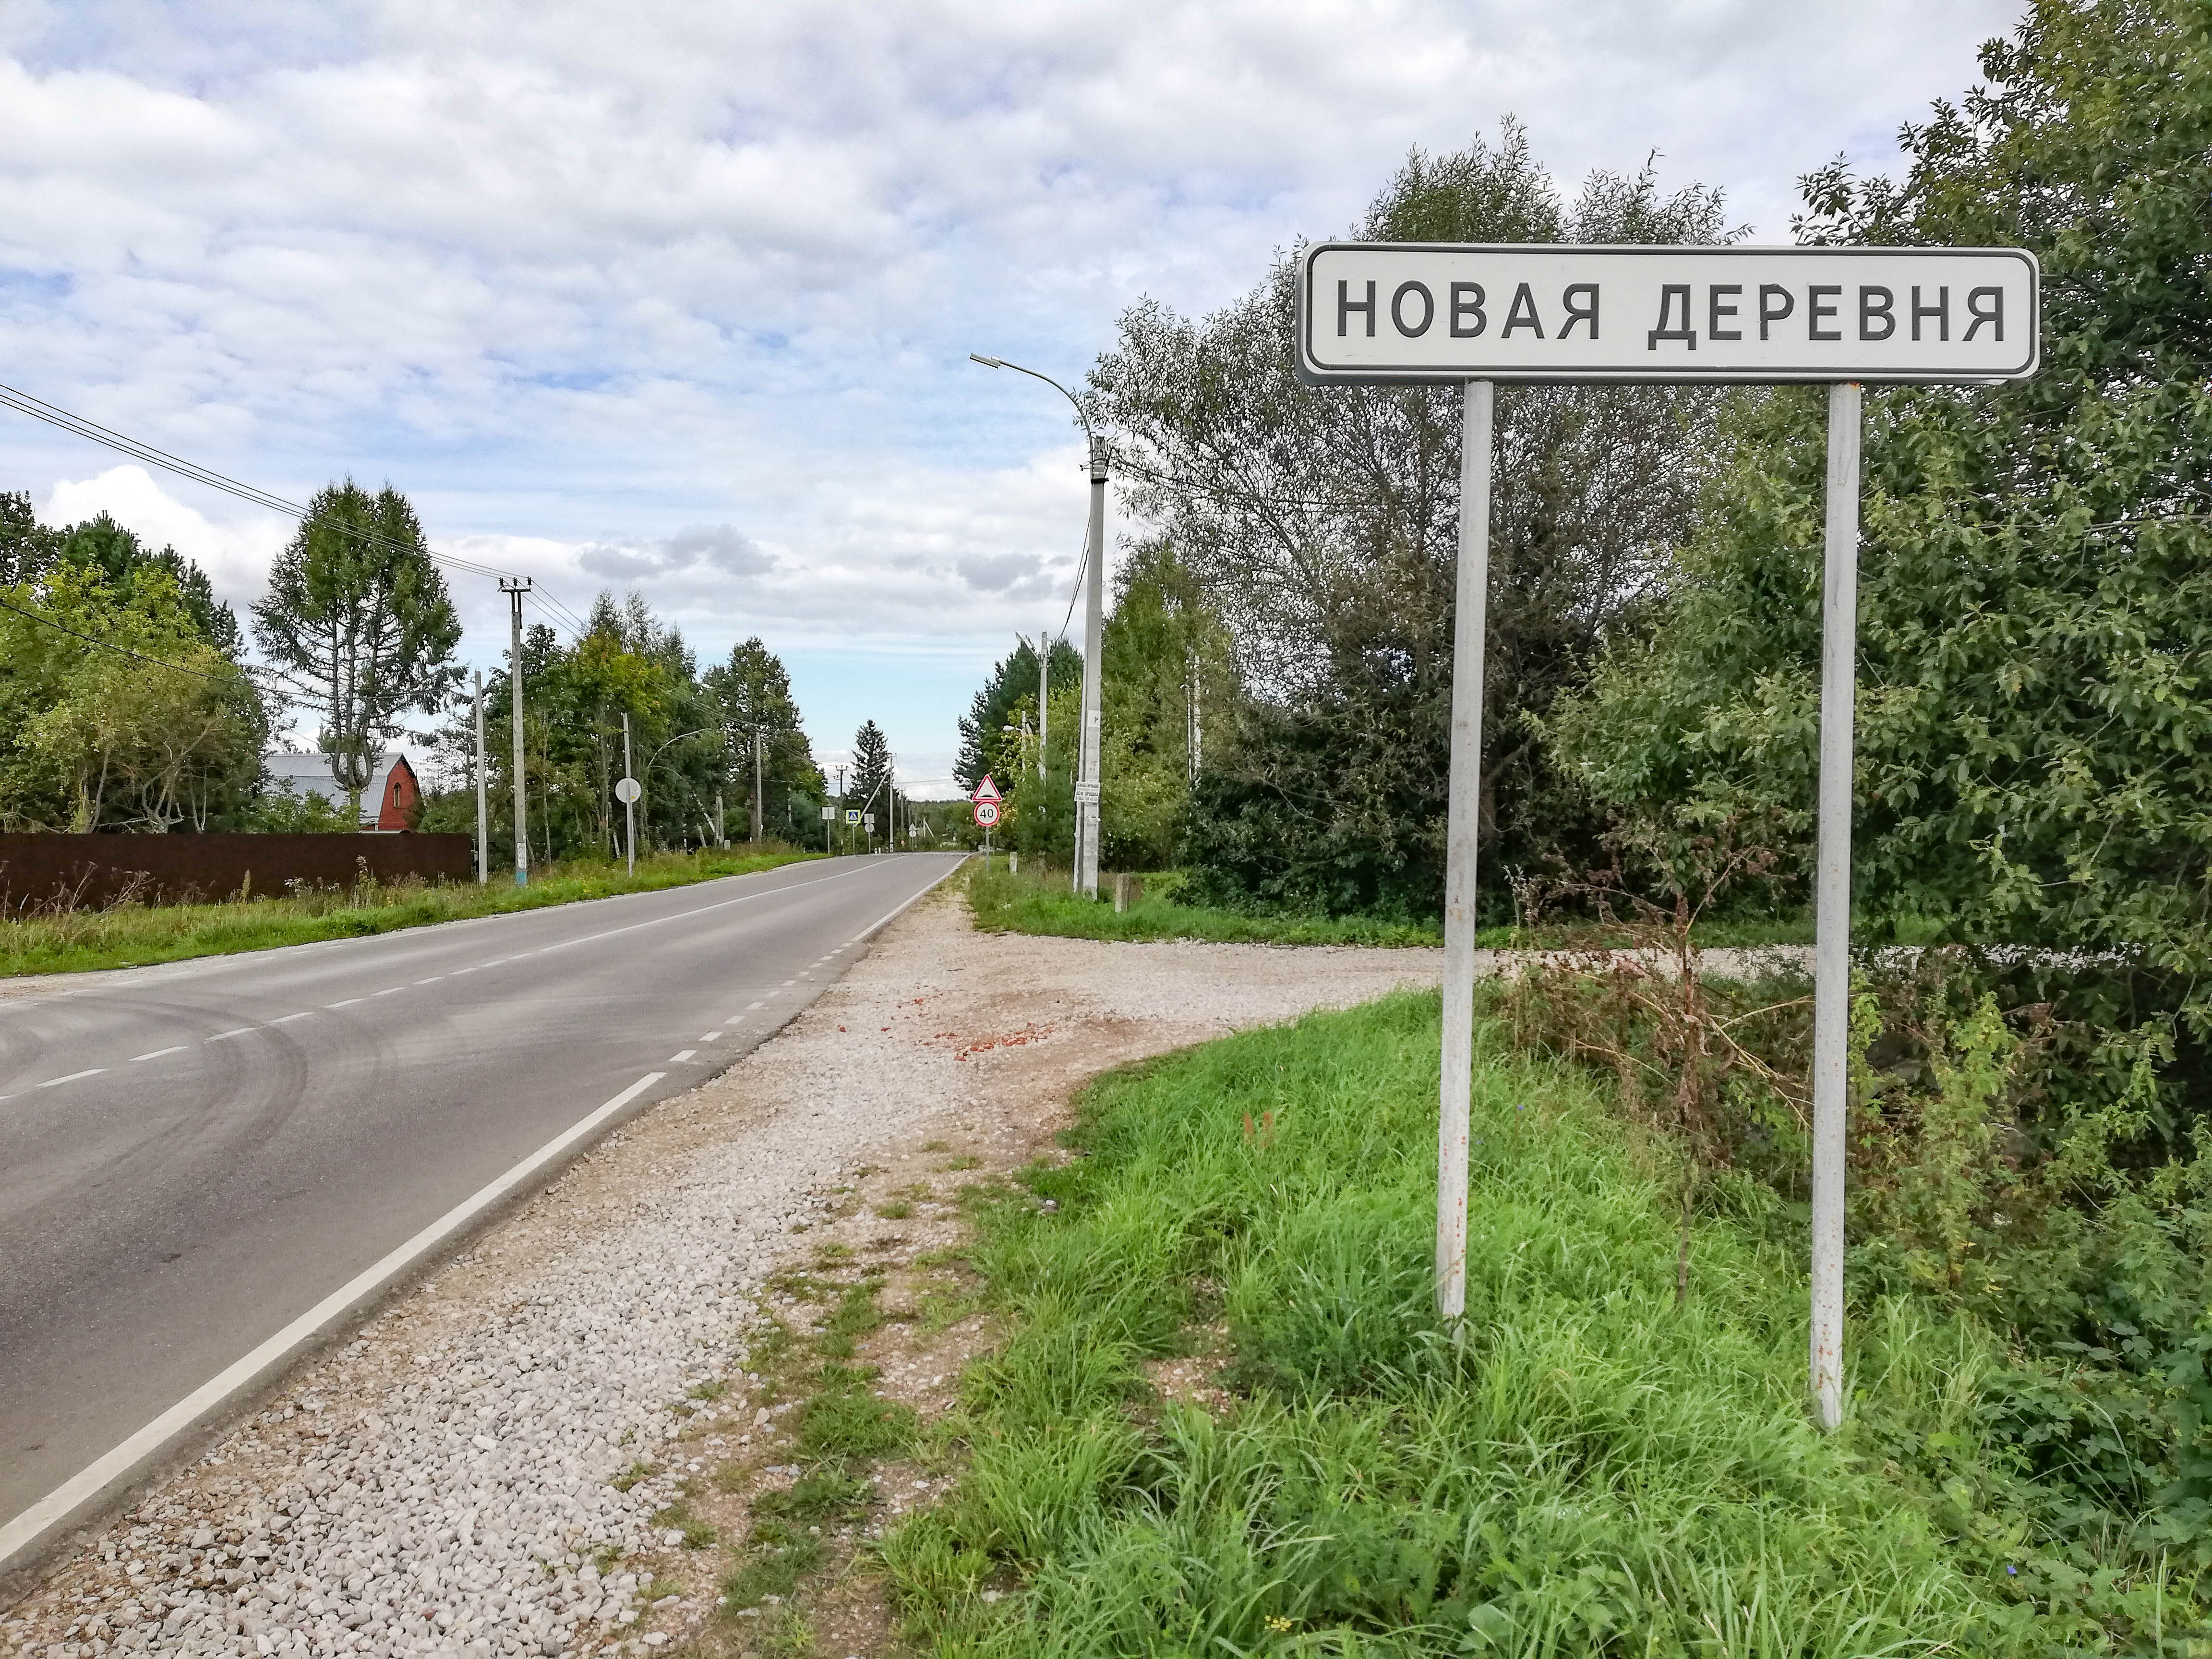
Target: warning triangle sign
(986, 790)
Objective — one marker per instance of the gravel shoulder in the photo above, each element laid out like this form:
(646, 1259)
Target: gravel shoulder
(490, 1466)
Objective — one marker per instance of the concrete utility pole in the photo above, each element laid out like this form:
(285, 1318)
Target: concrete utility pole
(629, 807)
(1192, 737)
(1044, 697)
(756, 786)
(515, 587)
(1087, 799)
(843, 828)
(483, 816)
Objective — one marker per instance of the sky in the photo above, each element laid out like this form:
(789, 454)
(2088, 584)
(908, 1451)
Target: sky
(679, 298)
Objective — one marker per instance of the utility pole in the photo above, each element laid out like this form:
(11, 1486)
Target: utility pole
(515, 587)
(756, 786)
(842, 827)
(1190, 690)
(483, 817)
(629, 807)
(1044, 697)
(1094, 620)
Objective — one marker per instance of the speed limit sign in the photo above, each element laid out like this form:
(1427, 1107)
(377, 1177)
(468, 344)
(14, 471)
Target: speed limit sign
(987, 814)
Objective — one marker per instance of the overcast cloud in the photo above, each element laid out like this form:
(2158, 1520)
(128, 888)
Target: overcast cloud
(680, 297)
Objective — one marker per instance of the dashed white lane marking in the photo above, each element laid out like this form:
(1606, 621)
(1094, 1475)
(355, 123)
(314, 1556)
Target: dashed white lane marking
(788, 983)
(750, 1006)
(288, 1019)
(235, 1031)
(390, 991)
(348, 1003)
(710, 1037)
(433, 979)
(686, 1053)
(158, 1052)
(72, 1076)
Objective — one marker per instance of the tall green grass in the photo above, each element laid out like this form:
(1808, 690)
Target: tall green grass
(137, 935)
(1587, 1469)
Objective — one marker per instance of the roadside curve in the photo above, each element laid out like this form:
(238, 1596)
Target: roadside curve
(205, 1171)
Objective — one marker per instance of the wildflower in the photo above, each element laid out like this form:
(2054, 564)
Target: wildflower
(1280, 1624)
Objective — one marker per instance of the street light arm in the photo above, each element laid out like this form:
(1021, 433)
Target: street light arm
(1080, 413)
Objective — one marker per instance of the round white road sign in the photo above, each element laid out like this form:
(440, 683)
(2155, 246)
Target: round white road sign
(628, 790)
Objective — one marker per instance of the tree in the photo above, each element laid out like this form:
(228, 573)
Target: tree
(119, 713)
(358, 617)
(116, 552)
(1323, 526)
(990, 741)
(28, 548)
(752, 692)
(872, 771)
(2035, 705)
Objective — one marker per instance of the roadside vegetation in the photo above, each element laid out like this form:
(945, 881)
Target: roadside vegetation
(1228, 1419)
(136, 935)
(1035, 900)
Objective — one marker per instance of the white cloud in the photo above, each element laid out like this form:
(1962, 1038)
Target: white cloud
(680, 296)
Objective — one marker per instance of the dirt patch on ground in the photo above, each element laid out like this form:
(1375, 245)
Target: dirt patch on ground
(823, 1172)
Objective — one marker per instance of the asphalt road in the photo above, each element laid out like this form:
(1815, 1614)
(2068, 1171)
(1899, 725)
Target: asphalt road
(194, 1156)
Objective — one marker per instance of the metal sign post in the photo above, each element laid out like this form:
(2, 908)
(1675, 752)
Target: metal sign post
(1392, 313)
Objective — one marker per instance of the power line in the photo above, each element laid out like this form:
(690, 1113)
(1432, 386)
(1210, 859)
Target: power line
(38, 410)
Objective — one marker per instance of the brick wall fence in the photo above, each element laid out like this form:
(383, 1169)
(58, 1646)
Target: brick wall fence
(43, 872)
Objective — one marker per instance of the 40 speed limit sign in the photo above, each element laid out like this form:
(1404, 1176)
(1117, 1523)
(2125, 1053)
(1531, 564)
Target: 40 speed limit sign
(987, 814)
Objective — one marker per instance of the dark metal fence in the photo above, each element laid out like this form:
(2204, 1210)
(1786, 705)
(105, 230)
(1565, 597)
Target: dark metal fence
(89, 873)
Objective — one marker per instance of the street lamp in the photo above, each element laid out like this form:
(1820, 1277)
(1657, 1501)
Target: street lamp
(1094, 604)
(645, 777)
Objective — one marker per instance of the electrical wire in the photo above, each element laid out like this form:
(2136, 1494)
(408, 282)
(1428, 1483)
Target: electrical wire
(38, 410)
(121, 651)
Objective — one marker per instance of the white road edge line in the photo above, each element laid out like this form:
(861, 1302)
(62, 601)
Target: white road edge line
(56, 1506)
(305, 1014)
(94, 1072)
(158, 1052)
(350, 1001)
(235, 1031)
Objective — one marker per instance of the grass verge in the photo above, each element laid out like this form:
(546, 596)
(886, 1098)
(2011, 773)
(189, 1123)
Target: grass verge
(1035, 902)
(1592, 1467)
(137, 935)
(1038, 901)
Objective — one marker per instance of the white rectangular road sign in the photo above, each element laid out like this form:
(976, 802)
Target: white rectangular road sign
(1371, 311)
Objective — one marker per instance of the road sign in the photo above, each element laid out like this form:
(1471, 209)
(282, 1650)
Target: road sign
(1424, 311)
(1400, 312)
(1086, 794)
(852, 815)
(628, 790)
(829, 814)
(986, 790)
(987, 814)
(868, 821)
